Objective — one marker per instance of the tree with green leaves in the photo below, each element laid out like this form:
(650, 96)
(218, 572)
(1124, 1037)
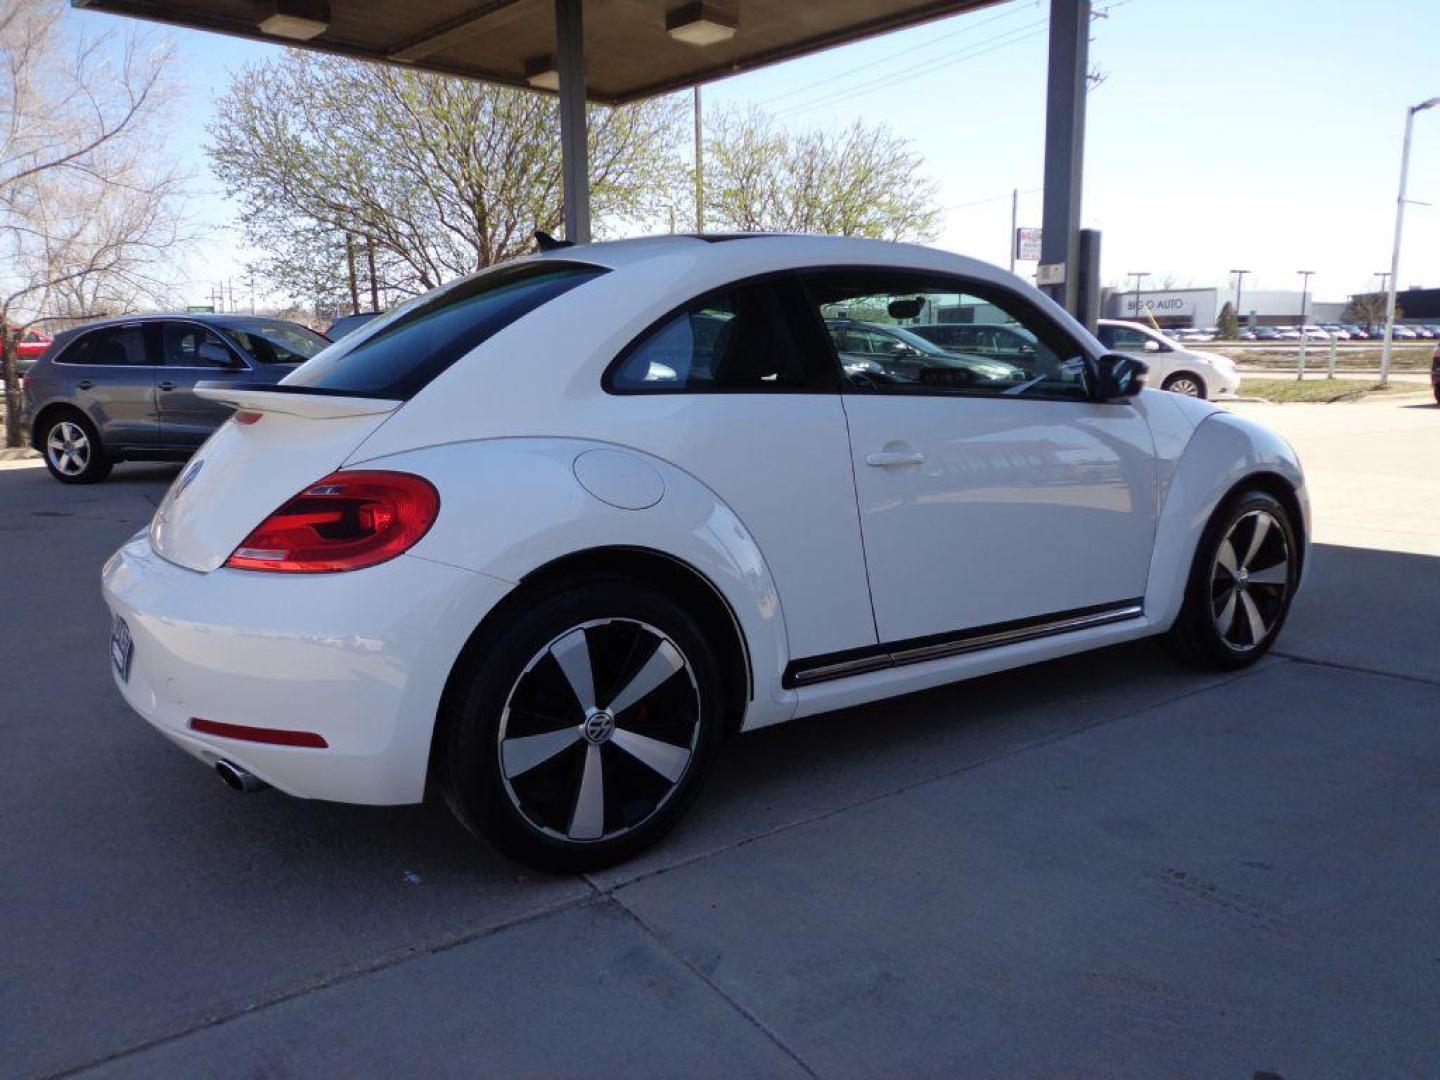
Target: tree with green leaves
(1227, 323)
(433, 175)
(863, 181)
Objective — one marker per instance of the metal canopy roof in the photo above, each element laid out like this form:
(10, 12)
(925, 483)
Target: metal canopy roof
(628, 52)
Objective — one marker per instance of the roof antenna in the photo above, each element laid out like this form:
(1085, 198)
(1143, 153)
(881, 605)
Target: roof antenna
(548, 242)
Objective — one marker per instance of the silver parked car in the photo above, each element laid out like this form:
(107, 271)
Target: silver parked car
(123, 389)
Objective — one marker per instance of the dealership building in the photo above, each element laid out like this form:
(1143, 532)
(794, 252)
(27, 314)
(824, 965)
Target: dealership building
(1201, 307)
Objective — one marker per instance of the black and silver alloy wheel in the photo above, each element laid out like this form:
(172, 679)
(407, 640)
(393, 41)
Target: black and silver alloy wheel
(1250, 585)
(581, 724)
(1241, 583)
(599, 730)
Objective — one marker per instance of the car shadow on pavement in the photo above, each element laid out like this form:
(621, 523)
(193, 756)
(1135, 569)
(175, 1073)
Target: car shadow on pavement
(140, 879)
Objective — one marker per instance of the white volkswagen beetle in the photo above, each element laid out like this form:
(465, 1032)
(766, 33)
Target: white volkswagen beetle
(540, 539)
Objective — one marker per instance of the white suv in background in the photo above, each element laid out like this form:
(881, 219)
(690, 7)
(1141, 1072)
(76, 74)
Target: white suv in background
(1205, 375)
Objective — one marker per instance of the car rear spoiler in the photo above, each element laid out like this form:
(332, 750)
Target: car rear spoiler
(309, 402)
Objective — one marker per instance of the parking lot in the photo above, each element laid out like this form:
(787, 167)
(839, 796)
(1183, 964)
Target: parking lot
(1110, 865)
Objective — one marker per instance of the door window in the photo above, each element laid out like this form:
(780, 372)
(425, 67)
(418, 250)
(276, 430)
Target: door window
(749, 338)
(182, 343)
(117, 346)
(1008, 349)
(1123, 338)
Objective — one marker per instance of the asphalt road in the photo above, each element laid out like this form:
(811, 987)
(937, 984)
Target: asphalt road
(1107, 866)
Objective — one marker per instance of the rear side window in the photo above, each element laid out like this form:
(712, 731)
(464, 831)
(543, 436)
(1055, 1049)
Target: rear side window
(398, 360)
(115, 346)
(751, 338)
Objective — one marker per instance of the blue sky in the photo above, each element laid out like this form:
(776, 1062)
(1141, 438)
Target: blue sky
(1262, 134)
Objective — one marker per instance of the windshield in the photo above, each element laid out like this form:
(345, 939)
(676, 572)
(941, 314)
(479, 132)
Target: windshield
(275, 341)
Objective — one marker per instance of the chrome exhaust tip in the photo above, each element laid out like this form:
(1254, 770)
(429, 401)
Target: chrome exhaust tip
(238, 779)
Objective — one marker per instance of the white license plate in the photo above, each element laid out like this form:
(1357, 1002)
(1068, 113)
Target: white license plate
(120, 648)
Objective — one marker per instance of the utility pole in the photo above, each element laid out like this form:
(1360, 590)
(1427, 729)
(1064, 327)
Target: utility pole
(1139, 277)
(699, 167)
(232, 294)
(251, 281)
(1399, 225)
(1305, 276)
(1239, 281)
(1014, 225)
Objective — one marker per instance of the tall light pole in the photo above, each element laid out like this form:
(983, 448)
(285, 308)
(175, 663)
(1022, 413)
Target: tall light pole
(1139, 277)
(1399, 224)
(1239, 281)
(1305, 276)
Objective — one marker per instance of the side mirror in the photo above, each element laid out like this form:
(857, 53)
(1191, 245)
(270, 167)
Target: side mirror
(1152, 346)
(218, 355)
(1121, 375)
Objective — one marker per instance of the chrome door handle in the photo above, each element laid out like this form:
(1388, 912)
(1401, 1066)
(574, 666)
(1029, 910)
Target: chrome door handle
(167, 385)
(890, 459)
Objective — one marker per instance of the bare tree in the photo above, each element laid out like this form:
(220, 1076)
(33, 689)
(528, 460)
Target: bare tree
(1368, 309)
(90, 211)
(864, 181)
(439, 176)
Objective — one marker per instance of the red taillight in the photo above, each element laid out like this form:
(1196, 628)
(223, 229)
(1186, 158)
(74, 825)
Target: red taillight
(246, 417)
(346, 521)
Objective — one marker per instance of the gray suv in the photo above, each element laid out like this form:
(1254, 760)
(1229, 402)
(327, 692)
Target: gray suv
(124, 389)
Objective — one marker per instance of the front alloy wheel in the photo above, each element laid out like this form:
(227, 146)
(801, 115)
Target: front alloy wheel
(1186, 384)
(1250, 584)
(584, 725)
(1241, 583)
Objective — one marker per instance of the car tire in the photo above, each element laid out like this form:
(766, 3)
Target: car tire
(1187, 383)
(71, 448)
(559, 778)
(1436, 388)
(1240, 586)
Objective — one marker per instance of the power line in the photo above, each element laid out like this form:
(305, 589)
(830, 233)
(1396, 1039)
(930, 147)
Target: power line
(969, 27)
(994, 199)
(979, 49)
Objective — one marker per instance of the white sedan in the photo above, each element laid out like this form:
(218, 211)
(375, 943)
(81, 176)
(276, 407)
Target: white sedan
(539, 540)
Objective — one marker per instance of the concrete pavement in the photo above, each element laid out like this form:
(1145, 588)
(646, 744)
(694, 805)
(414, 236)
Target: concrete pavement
(1110, 865)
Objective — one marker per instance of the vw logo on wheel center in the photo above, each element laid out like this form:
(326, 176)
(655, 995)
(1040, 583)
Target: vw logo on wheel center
(599, 726)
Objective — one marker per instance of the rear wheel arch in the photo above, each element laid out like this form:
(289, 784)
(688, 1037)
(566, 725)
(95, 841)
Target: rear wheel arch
(49, 413)
(677, 578)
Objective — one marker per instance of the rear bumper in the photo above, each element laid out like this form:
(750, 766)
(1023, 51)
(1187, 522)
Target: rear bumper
(359, 658)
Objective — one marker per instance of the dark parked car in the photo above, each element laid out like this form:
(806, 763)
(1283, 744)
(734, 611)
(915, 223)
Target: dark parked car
(348, 324)
(1435, 374)
(889, 354)
(124, 389)
(1008, 342)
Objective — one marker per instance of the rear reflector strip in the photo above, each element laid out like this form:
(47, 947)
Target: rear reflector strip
(274, 736)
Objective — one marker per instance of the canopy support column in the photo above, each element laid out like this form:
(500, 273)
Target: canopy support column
(1065, 147)
(574, 152)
